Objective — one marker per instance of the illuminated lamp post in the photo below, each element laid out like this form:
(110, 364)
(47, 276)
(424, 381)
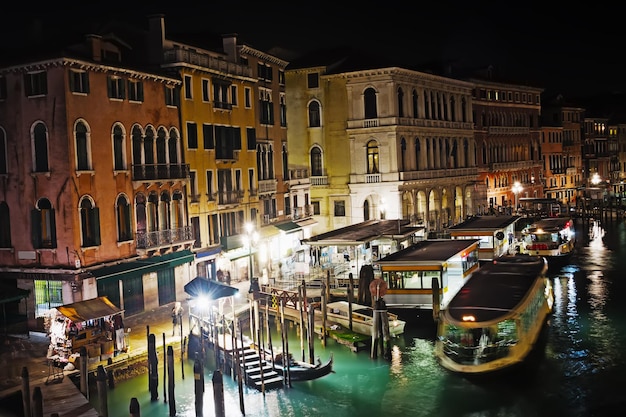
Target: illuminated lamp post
(595, 179)
(517, 188)
(251, 238)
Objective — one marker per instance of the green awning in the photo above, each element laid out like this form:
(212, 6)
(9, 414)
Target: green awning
(288, 227)
(143, 266)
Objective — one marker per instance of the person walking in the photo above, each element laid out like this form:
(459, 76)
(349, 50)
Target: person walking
(177, 316)
(118, 327)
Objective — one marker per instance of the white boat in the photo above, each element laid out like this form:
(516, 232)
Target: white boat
(551, 237)
(362, 318)
(495, 320)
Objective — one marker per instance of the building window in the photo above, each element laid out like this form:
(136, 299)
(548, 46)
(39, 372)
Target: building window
(251, 138)
(247, 97)
(208, 136)
(122, 211)
(314, 114)
(316, 208)
(115, 88)
(89, 223)
(43, 225)
(36, 83)
(172, 96)
(187, 81)
(83, 147)
(5, 226)
(209, 185)
(372, 157)
(369, 99)
(193, 187)
(267, 107)
(79, 81)
(313, 80)
(233, 95)
(340, 208)
(40, 146)
(4, 162)
(220, 95)
(192, 135)
(316, 162)
(281, 77)
(415, 102)
(400, 102)
(206, 90)
(135, 90)
(119, 148)
(285, 164)
(283, 111)
(48, 295)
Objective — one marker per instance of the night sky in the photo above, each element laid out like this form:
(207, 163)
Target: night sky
(573, 51)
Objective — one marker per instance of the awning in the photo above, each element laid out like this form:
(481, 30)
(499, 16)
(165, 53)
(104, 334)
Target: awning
(202, 286)
(143, 266)
(288, 227)
(306, 222)
(93, 309)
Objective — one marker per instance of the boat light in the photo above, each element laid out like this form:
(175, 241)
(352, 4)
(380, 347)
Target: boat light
(469, 318)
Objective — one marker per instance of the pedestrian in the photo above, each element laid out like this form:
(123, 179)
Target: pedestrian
(177, 316)
(118, 327)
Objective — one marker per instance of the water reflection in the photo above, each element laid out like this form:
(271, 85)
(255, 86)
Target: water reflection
(577, 370)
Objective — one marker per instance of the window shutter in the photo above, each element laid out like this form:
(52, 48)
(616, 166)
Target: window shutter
(35, 228)
(237, 132)
(86, 86)
(53, 229)
(95, 218)
(140, 91)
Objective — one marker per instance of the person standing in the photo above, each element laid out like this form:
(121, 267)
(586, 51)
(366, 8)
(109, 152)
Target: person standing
(118, 328)
(177, 316)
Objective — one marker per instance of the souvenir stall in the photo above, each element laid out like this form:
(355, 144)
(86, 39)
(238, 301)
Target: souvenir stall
(91, 324)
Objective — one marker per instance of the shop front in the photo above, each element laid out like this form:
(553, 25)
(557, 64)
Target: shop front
(94, 324)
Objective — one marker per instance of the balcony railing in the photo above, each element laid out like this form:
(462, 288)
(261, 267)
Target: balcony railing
(154, 172)
(148, 240)
(206, 61)
(230, 197)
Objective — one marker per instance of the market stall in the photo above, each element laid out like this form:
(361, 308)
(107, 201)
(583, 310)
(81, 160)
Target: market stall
(92, 324)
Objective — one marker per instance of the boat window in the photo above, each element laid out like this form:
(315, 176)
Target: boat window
(411, 279)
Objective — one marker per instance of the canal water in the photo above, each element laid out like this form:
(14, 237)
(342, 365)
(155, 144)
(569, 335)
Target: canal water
(579, 369)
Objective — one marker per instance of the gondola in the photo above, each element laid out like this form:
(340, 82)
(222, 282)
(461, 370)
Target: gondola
(303, 371)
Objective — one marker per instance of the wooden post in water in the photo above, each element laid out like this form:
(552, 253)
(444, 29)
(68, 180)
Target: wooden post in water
(170, 385)
(37, 402)
(148, 344)
(26, 392)
(84, 388)
(350, 298)
(311, 333)
(239, 372)
(375, 334)
(134, 408)
(436, 299)
(164, 369)
(301, 302)
(324, 311)
(285, 342)
(326, 292)
(153, 369)
(198, 379)
(218, 393)
(386, 337)
(101, 381)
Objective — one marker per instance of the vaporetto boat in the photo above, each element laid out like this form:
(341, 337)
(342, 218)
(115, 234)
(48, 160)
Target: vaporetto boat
(551, 237)
(495, 319)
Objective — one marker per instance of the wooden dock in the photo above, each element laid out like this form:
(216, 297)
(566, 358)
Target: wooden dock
(62, 396)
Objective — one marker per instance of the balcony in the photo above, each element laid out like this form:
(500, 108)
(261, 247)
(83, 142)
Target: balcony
(156, 172)
(321, 180)
(163, 238)
(268, 186)
(204, 60)
(230, 197)
(470, 173)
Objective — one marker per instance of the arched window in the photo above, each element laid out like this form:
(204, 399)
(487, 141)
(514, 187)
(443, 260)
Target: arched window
(137, 138)
(4, 163)
(415, 101)
(151, 212)
(177, 210)
(372, 157)
(417, 151)
(285, 160)
(366, 210)
(122, 211)
(369, 101)
(314, 114)
(5, 226)
(89, 223)
(164, 211)
(83, 148)
(148, 147)
(316, 162)
(140, 214)
(161, 147)
(400, 102)
(40, 147)
(43, 225)
(173, 146)
(402, 154)
(119, 148)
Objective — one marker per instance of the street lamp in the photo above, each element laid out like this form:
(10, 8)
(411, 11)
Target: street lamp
(595, 179)
(517, 188)
(252, 237)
